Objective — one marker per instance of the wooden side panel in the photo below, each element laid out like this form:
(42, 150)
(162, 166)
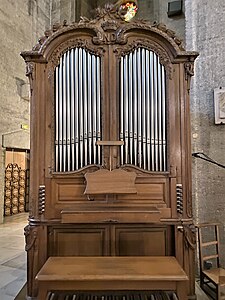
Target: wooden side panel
(140, 241)
(78, 241)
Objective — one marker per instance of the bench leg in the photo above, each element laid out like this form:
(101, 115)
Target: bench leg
(42, 293)
(182, 290)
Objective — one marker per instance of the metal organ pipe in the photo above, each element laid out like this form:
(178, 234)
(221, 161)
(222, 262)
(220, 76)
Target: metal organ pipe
(68, 110)
(77, 140)
(89, 110)
(135, 83)
(64, 113)
(126, 80)
(85, 108)
(164, 118)
(148, 107)
(94, 104)
(143, 110)
(156, 112)
(72, 73)
(130, 99)
(152, 112)
(143, 101)
(77, 110)
(121, 109)
(98, 107)
(139, 104)
(57, 119)
(60, 119)
(80, 104)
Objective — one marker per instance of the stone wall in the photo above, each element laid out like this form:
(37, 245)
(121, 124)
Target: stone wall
(70, 10)
(21, 24)
(156, 10)
(205, 32)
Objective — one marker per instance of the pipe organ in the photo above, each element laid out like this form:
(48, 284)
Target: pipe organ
(110, 143)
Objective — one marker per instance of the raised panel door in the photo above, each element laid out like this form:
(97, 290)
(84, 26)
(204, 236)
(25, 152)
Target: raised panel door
(140, 240)
(80, 240)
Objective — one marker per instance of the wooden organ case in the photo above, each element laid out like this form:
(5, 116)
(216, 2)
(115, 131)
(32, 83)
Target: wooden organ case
(110, 143)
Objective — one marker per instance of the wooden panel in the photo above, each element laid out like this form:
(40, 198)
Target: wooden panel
(140, 241)
(70, 190)
(149, 190)
(78, 241)
(111, 214)
(110, 182)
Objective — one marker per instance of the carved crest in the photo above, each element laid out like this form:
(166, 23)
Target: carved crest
(108, 27)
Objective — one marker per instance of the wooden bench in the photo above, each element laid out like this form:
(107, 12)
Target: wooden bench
(112, 273)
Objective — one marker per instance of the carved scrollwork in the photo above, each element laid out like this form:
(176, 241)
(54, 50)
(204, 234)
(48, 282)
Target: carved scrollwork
(151, 46)
(138, 171)
(189, 233)
(108, 10)
(56, 27)
(159, 28)
(108, 27)
(72, 43)
(190, 236)
(31, 235)
(189, 69)
(30, 68)
(189, 208)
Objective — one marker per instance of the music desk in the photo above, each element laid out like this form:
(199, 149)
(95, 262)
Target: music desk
(112, 273)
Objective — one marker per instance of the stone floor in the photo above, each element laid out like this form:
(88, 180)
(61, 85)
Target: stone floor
(13, 258)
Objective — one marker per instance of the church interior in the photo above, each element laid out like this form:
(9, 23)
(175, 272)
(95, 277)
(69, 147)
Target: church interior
(112, 157)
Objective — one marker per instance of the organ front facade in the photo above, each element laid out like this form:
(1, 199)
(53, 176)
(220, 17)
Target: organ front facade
(110, 146)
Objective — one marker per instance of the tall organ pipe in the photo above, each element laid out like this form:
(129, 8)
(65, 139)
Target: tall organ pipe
(98, 80)
(72, 74)
(77, 140)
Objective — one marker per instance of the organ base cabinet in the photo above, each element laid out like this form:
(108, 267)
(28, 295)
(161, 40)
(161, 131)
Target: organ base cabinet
(110, 143)
(101, 240)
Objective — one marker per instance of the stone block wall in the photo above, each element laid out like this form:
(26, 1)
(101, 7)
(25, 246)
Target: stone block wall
(70, 10)
(156, 10)
(205, 33)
